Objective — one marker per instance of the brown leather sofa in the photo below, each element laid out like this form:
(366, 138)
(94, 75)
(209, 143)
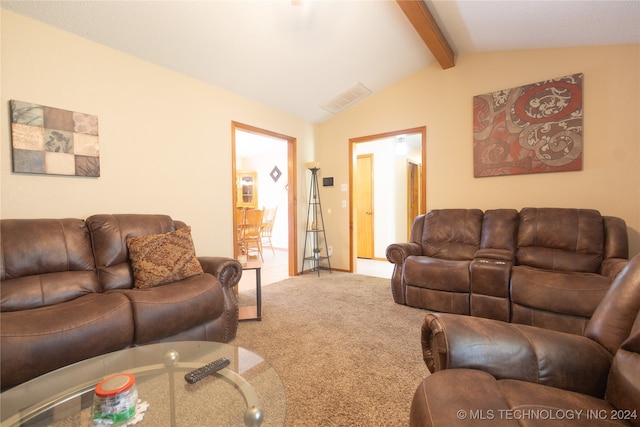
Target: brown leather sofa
(67, 294)
(547, 267)
(492, 373)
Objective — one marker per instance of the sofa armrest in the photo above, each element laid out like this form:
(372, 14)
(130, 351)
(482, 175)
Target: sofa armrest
(227, 270)
(521, 352)
(397, 253)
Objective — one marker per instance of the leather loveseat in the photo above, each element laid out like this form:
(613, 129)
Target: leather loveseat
(547, 267)
(69, 291)
(487, 372)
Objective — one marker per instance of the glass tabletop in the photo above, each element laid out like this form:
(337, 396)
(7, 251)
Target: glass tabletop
(247, 392)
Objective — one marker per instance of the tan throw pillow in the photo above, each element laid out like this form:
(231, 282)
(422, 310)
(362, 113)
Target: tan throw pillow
(158, 259)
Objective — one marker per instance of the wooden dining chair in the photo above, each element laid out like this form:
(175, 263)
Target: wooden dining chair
(267, 226)
(251, 240)
(240, 217)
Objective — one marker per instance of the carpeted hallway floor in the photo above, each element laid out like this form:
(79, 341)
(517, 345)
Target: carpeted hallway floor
(346, 353)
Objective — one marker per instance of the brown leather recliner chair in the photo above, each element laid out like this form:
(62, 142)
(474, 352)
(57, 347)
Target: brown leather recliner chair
(564, 264)
(432, 270)
(53, 311)
(457, 261)
(488, 372)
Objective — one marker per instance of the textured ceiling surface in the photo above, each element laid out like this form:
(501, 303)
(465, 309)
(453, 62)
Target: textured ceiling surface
(297, 55)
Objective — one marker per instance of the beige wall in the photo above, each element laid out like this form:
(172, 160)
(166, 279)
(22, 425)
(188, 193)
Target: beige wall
(165, 139)
(441, 100)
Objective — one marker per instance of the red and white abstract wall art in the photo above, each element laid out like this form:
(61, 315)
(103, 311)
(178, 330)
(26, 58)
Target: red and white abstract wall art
(535, 128)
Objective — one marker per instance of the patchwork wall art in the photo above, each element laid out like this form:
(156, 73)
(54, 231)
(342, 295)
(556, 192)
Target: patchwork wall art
(52, 141)
(535, 128)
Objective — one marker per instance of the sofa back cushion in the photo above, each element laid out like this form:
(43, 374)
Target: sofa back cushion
(452, 234)
(561, 239)
(499, 228)
(44, 262)
(109, 237)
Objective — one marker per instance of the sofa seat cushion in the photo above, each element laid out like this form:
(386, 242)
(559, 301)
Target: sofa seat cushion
(167, 310)
(549, 404)
(459, 397)
(570, 293)
(42, 290)
(467, 397)
(438, 274)
(88, 326)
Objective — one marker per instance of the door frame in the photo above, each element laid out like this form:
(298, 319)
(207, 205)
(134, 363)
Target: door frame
(422, 130)
(292, 193)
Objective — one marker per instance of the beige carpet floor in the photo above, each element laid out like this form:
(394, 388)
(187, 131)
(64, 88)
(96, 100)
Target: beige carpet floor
(346, 353)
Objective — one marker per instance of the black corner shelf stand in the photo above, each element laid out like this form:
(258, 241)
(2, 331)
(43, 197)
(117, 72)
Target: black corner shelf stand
(315, 240)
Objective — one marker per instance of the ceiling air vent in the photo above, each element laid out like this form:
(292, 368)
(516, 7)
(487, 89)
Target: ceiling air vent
(347, 98)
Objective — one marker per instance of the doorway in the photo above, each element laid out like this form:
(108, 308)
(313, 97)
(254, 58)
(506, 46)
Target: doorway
(275, 177)
(398, 180)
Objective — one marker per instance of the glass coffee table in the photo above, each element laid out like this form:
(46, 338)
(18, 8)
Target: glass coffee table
(247, 392)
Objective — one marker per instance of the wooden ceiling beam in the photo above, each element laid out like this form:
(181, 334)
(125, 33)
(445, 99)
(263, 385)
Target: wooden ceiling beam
(428, 30)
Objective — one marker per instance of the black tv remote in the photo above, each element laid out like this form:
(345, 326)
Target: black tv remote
(208, 369)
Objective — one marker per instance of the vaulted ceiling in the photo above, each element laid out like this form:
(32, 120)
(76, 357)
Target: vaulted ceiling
(300, 56)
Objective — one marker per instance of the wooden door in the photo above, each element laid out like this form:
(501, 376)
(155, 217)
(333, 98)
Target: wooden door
(413, 194)
(364, 205)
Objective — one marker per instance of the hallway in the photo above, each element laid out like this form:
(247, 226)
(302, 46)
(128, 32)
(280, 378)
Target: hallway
(274, 269)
